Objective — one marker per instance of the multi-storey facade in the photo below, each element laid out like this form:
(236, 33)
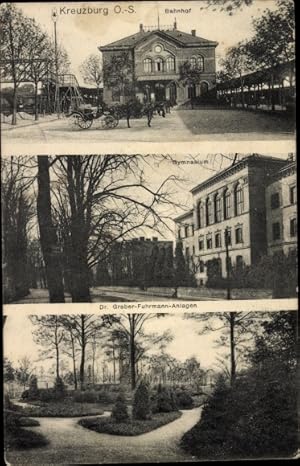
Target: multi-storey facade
(157, 56)
(229, 207)
(281, 202)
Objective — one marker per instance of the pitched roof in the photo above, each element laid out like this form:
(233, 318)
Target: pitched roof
(181, 38)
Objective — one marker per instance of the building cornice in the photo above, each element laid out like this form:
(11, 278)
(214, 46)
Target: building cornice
(254, 159)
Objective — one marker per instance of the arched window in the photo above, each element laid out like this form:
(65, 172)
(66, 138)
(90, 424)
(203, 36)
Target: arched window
(200, 214)
(147, 65)
(159, 65)
(227, 204)
(170, 64)
(238, 200)
(193, 62)
(218, 208)
(209, 212)
(200, 63)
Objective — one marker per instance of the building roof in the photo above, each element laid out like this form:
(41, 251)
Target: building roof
(190, 213)
(181, 38)
(253, 159)
(287, 170)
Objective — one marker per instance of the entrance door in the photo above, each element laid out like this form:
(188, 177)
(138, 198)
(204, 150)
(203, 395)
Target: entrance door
(191, 91)
(173, 94)
(160, 92)
(203, 88)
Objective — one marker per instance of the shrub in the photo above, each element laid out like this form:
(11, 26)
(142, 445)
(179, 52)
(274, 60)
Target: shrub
(33, 392)
(11, 420)
(25, 394)
(59, 388)
(184, 400)
(87, 396)
(164, 400)
(119, 412)
(47, 394)
(141, 402)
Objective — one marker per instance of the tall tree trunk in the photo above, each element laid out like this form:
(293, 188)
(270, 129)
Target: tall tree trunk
(132, 356)
(272, 92)
(83, 345)
(48, 236)
(14, 109)
(114, 362)
(74, 360)
(232, 348)
(57, 361)
(36, 111)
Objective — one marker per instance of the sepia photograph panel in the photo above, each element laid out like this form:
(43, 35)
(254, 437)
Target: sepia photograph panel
(146, 388)
(148, 71)
(142, 228)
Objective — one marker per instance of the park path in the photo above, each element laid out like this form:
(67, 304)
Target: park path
(71, 443)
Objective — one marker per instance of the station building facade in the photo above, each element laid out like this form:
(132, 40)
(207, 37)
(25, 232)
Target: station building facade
(231, 204)
(157, 55)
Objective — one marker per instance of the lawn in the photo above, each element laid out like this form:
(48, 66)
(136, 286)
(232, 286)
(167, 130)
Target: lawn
(132, 427)
(21, 438)
(64, 408)
(212, 121)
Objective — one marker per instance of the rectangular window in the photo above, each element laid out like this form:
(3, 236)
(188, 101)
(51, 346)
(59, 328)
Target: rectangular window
(186, 231)
(201, 244)
(238, 235)
(209, 243)
(201, 267)
(116, 94)
(218, 241)
(293, 227)
(179, 234)
(293, 195)
(193, 250)
(227, 235)
(187, 251)
(276, 231)
(239, 262)
(275, 201)
(192, 230)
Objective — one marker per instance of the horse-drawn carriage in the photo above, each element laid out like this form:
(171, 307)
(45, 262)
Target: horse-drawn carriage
(109, 116)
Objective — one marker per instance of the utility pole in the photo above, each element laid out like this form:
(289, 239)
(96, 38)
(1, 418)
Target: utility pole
(57, 105)
(227, 263)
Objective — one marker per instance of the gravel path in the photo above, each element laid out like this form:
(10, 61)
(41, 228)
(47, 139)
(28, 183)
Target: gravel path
(71, 443)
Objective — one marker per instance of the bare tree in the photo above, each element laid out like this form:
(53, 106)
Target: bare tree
(91, 70)
(48, 237)
(49, 334)
(237, 329)
(17, 212)
(98, 201)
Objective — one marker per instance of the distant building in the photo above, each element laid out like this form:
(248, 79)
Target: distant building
(233, 200)
(127, 261)
(157, 54)
(281, 202)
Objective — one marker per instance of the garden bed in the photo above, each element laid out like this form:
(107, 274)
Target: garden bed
(132, 427)
(62, 408)
(22, 438)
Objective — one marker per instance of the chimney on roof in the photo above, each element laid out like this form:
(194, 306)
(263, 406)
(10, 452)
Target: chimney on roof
(175, 25)
(141, 27)
(193, 32)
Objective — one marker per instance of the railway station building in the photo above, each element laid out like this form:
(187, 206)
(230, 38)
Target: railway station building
(157, 55)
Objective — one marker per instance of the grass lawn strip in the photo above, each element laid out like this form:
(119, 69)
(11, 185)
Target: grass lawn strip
(28, 422)
(22, 438)
(130, 428)
(61, 409)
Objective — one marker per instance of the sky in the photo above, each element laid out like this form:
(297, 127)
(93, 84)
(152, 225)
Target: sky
(82, 34)
(18, 340)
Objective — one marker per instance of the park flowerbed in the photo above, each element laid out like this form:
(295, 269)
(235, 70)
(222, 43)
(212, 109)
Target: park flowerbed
(131, 427)
(63, 408)
(18, 438)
